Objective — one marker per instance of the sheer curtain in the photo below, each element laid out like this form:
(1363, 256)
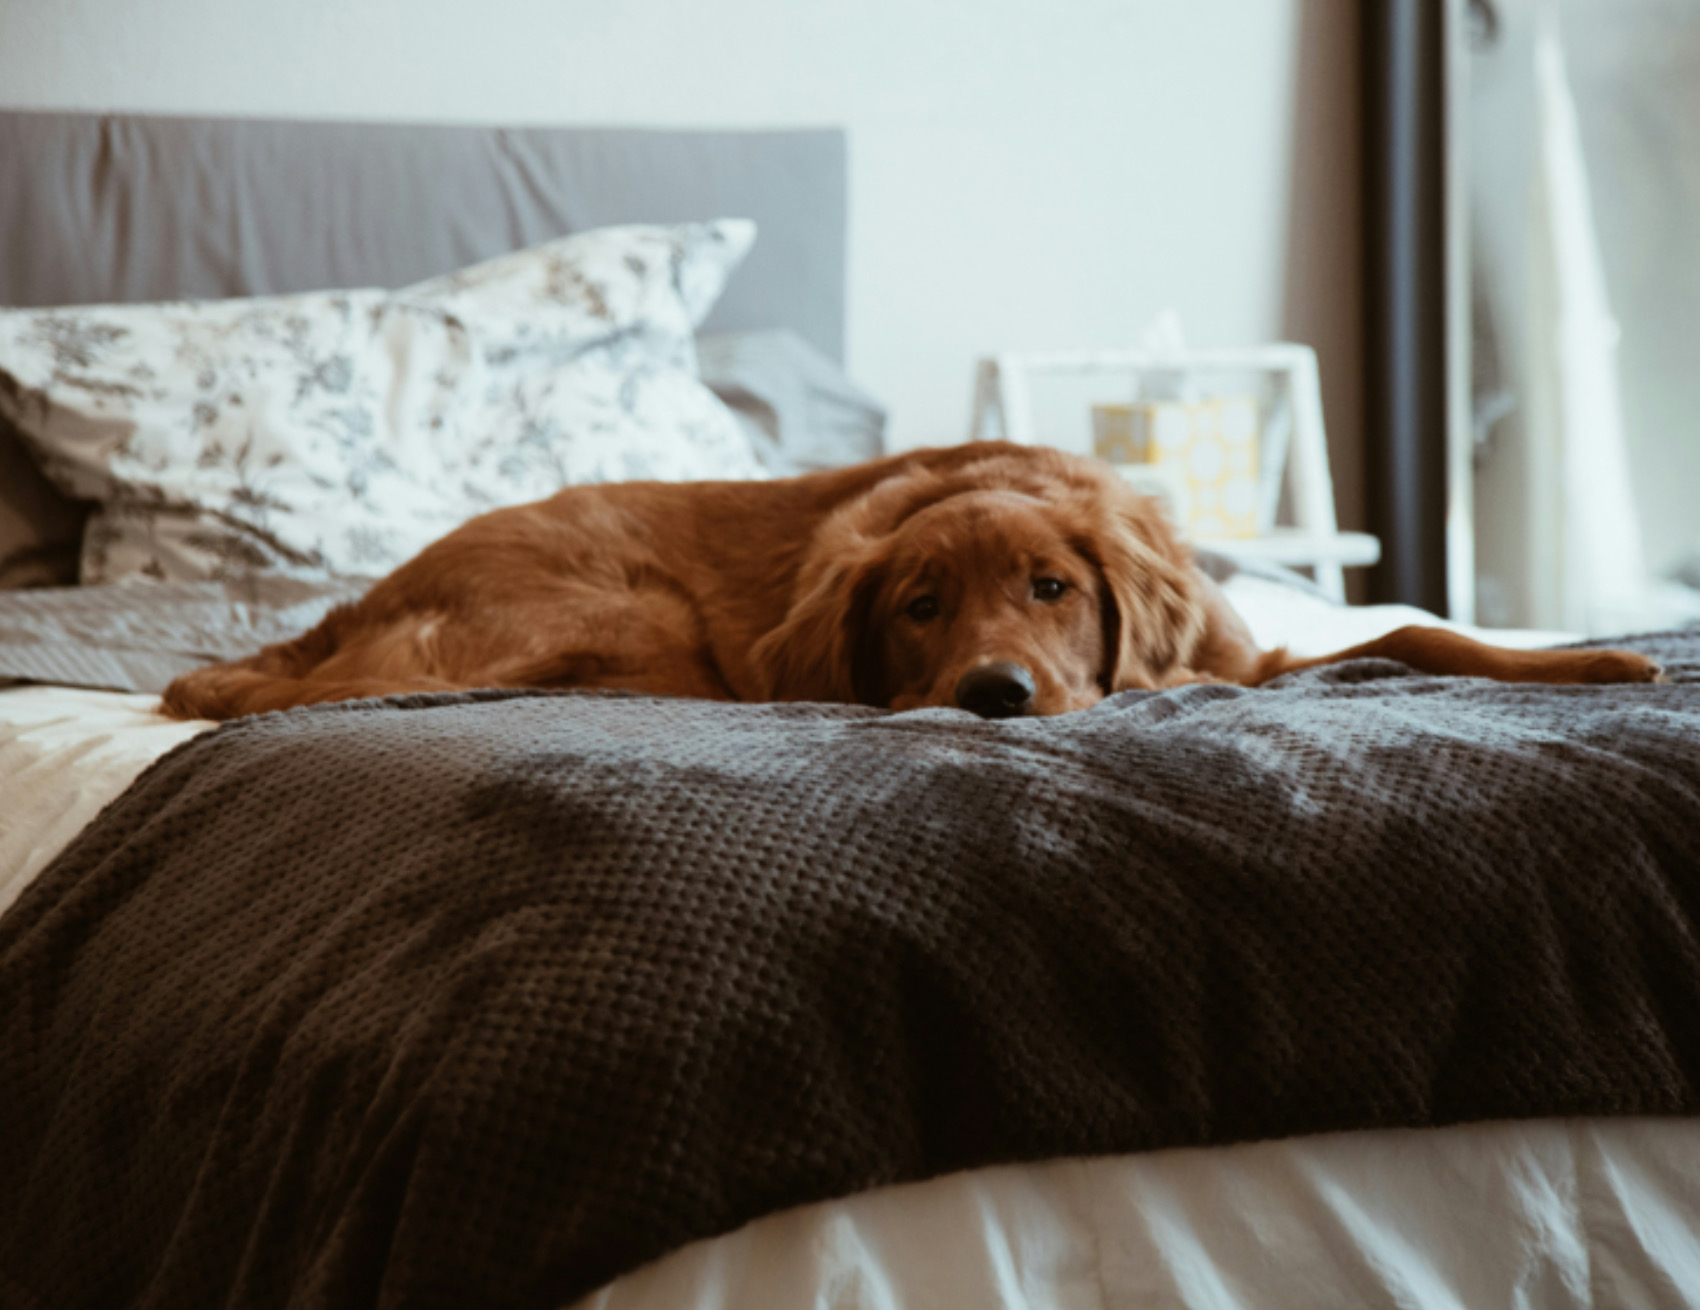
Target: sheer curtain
(1563, 485)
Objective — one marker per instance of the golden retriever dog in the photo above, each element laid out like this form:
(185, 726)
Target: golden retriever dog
(1004, 580)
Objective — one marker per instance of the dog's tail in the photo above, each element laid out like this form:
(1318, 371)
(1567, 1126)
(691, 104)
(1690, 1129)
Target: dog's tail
(1451, 654)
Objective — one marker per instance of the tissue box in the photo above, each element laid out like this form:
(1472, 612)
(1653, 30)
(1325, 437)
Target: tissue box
(1209, 446)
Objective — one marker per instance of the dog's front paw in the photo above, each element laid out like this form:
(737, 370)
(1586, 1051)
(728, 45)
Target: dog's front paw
(1620, 666)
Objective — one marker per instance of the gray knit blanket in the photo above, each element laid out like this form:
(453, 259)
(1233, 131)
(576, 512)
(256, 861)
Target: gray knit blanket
(485, 999)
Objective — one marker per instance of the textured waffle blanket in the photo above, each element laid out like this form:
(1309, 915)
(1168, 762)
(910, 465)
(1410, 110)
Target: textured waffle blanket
(485, 999)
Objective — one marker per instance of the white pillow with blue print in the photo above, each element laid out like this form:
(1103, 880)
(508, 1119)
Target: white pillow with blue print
(337, 433)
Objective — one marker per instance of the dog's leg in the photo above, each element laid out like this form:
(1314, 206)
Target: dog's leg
(229, 691)
(1451, 654)
(307, 670)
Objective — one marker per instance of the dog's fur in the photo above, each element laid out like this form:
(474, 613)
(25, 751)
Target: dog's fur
(884, 584)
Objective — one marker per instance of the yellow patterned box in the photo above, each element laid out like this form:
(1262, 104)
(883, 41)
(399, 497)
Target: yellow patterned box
(1211, 444)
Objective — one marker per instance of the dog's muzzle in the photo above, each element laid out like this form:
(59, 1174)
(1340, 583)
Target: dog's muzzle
(1001, 690)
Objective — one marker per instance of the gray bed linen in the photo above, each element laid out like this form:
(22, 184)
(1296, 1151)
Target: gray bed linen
(483, 1000)
(138, 637)
(802, 411)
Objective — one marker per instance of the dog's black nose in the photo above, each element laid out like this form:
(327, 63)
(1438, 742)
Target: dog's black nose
(996, 691)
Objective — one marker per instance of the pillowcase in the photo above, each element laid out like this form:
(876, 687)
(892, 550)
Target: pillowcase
(338, 433)
(802, 410)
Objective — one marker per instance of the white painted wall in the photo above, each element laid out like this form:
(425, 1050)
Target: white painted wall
(1023, 174)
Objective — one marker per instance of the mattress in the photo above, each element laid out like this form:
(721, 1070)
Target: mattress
(1552, 1213)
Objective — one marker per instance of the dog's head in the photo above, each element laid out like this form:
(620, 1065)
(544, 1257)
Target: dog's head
(1031, 583)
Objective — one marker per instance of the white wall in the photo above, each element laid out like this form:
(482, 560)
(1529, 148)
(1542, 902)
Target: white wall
(1023, 174)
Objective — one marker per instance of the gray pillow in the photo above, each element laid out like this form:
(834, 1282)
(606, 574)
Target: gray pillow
(1220, 565)
(802, 411)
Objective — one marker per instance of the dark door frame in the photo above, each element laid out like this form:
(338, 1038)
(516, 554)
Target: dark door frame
(1407, 392)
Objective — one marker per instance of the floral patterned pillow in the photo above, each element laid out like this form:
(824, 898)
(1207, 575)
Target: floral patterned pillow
(337, 433)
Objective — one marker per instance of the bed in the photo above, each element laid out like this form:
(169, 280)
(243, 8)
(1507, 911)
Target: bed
(1369, 989)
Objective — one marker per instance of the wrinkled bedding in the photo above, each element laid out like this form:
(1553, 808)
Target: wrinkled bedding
(65, 754)
(138, 637)
(512, 993)
(1549, 1214)
(1566, 1214)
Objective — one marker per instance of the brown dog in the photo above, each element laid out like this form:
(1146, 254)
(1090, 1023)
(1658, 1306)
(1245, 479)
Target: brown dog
(1001, 579)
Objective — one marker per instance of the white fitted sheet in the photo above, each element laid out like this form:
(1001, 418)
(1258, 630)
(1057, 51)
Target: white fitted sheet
(1532, 1215)
(1538, 1216)
(64, 753)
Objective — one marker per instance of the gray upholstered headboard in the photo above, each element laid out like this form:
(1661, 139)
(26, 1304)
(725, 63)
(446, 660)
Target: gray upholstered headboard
(103, 208)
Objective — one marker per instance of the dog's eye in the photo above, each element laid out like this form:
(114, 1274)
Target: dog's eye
(1049, 588)
(923, 609)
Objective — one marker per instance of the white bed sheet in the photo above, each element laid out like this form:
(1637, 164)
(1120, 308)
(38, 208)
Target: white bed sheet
(1584, 1213)
(64, 753)
(1575, 1213)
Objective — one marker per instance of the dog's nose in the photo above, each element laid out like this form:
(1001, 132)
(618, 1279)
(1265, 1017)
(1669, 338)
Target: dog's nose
(996, 691)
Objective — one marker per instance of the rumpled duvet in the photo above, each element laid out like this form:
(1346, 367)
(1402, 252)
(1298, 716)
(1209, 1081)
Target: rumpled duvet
(484, 999)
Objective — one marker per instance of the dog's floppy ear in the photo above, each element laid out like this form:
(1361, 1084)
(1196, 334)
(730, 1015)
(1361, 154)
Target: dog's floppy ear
(818, 652)
(1152, 620)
